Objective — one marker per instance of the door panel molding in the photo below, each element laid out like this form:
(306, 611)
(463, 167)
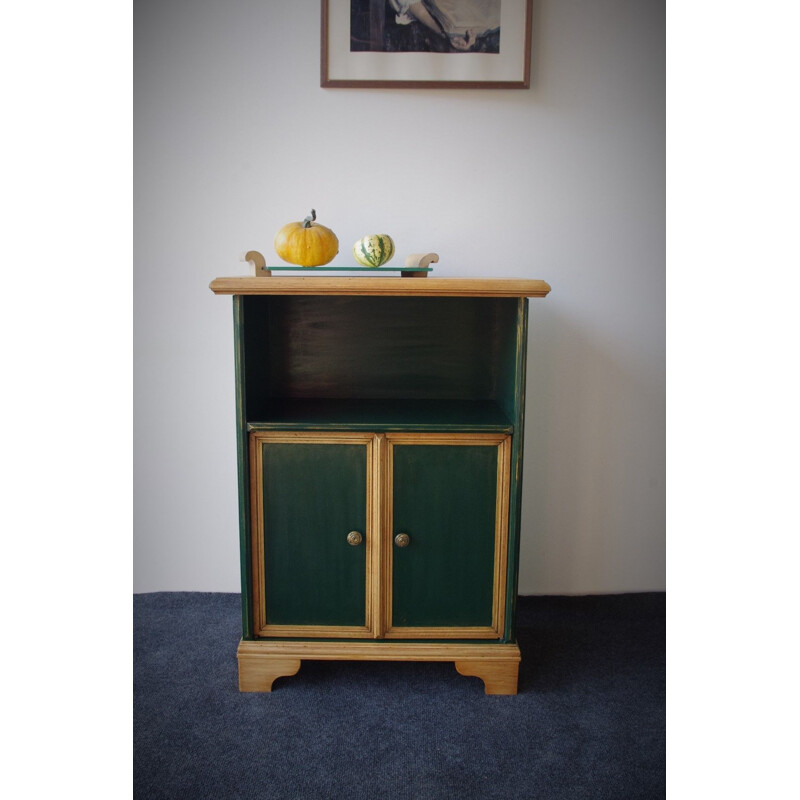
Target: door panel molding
(370, 541)
(503, 444)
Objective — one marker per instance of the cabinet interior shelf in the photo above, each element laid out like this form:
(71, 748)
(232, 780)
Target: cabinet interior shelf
(382, 415)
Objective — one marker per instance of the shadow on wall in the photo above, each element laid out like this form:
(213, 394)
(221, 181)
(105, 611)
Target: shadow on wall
(593, 511)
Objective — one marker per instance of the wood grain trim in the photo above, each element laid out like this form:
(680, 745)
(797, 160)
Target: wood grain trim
(501, 536)
(258, 672)
(382, 286)
(261, 663)
(450, 632)
(374, 565)
(387, 524)
(257, 532)
(496, 631)
(260, 625)
(446, 438)
(499, 677)
(381, 651)
(315, 631)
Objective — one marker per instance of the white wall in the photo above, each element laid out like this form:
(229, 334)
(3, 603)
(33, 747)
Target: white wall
(233, 137)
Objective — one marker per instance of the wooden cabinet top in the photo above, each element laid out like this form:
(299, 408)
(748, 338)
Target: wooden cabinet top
(381, 286)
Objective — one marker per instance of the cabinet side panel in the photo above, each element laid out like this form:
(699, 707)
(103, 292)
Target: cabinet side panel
(515, 493)
(243, 466)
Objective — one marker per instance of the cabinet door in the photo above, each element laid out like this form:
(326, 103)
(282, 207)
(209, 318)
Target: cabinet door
(312, 500)
(447, 500)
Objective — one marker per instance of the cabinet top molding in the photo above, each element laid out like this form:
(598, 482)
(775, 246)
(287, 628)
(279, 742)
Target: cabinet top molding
(380, 286)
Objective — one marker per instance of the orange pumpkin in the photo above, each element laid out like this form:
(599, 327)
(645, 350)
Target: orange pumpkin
(306, 243)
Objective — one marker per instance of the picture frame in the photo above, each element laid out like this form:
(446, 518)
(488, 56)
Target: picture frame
(460, 44)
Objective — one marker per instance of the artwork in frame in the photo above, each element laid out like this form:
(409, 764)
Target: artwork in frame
(419, 44)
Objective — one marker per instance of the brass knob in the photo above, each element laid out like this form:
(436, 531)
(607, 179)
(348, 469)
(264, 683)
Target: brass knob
(354, 538)
(402, 540)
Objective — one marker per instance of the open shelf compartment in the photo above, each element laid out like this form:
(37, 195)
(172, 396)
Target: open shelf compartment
(378, 362)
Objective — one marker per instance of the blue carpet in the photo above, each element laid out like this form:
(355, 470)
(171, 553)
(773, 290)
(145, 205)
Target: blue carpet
(588, 722)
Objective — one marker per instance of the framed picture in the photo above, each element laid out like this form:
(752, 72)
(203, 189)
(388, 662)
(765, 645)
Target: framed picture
(426, 44)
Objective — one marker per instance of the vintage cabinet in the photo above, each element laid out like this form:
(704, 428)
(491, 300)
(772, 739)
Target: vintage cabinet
(380, 425)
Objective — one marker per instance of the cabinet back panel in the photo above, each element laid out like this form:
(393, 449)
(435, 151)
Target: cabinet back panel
(377, 347)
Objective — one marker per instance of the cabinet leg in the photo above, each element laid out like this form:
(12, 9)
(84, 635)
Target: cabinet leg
(258, 673)
(499, 677)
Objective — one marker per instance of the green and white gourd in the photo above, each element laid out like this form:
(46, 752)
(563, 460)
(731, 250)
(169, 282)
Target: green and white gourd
(374, 250)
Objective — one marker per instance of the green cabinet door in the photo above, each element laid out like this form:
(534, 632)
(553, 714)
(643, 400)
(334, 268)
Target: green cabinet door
(449, 508)
(311, 544)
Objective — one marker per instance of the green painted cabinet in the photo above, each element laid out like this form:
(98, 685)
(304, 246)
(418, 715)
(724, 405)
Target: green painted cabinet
(380, 427)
